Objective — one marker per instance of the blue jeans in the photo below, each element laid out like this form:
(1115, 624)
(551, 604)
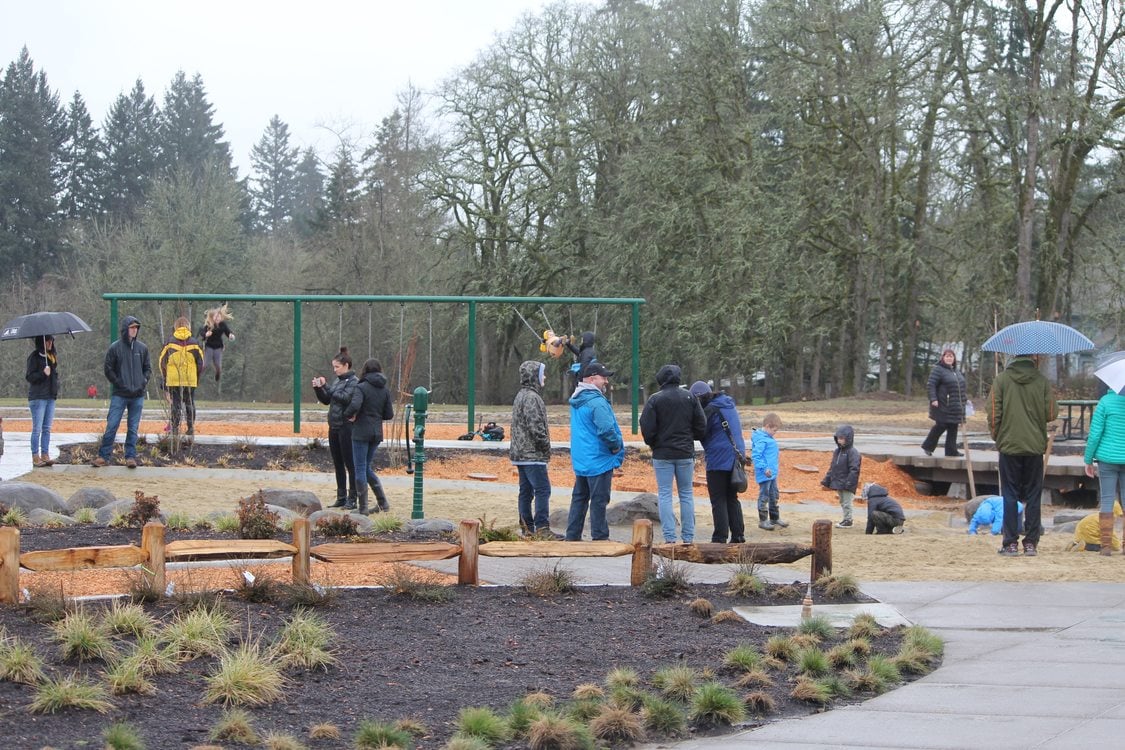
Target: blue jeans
(593, 493)
(1111, 485)
(117, 406)
(683, 471)
(363, 456)
(42, 415)
(767, 500)
(534, 482)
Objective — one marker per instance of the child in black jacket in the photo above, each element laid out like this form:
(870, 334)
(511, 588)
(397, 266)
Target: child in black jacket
(843, 472)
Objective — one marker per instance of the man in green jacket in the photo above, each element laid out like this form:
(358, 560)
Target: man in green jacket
(1019, 408)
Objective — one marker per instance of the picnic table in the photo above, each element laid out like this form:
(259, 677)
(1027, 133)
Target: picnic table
(1075, 429)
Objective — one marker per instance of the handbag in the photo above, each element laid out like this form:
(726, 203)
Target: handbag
(739, 482)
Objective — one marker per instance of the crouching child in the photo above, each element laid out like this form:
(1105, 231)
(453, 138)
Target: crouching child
(884, 514)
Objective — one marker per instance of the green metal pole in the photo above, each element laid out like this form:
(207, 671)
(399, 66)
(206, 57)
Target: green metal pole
(113, 316)
(297, 366)
(472, 395)
(421, 404)
(636, 387)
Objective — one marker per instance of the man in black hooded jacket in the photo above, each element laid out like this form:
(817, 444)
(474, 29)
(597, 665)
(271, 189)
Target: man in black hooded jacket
(128, 370)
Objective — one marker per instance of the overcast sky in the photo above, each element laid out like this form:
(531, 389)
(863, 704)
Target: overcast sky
(333, 65)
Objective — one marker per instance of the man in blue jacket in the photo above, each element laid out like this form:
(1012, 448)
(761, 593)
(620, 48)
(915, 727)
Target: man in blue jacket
(596, 449)
(128, 370)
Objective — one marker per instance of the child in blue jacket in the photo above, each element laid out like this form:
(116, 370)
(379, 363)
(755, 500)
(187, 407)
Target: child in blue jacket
(990, 512)
(766, 456)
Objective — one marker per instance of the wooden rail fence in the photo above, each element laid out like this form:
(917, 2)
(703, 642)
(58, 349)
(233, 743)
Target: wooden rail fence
(153, 555)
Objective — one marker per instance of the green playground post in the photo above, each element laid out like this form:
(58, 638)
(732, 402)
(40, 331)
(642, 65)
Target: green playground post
(421, 404)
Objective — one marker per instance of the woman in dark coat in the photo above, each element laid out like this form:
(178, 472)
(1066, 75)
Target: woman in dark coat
(946, 388)
(42, 392)
(338, 396)
(371, 405)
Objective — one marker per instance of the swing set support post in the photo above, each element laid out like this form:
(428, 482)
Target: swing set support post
(114, 299)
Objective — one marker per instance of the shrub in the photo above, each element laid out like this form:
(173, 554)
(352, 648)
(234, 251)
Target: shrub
(337, 524)
(483, 723)
(69, 692)
(376, 735)
(255, 520)
(122, 736)
(244, 676)
(554, 580)
(714, 703)
(145, 508)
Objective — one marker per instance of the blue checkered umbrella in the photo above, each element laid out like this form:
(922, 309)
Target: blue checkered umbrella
(1111, 371)
(1037, 337)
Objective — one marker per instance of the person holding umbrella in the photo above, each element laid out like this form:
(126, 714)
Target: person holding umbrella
(1019, 407)
(43, 389)
(1105, 446)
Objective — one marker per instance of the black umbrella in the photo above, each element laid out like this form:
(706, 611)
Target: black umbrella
(43, 324)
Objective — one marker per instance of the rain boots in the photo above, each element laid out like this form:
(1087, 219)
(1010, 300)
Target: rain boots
(380, 496)
(1105, 526)
(764, 521)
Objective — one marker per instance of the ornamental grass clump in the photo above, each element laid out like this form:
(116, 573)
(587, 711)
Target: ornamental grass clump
(244, 676)
(127, 618)
(676, 683)
(483, 723)
(754, 678)
(617, 726)
(842, 586)
(864, 626)
(760, 703)
(235, 725)
(257, 588)
(82, 637)
(154, 657)
(663, 717)
(622, 677)
(744, 657)
(554, 580)
(813, 662)
(281, 741)
(745, 583)
(70, 691)
(716, 704)
(817, 625)
(202, 631)
(728, 616)
(129, 676)
(559, 733)
(325, 730)
(781, 647)
(122, 735)
(810, 691)
(304, 641)
(520, 715)
(377, 735)
(19, 662)
(461, 742)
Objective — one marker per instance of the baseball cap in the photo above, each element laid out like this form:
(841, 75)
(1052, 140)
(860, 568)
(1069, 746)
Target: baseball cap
(597, 368)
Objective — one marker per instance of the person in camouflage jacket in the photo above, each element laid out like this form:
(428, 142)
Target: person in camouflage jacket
(530, 451)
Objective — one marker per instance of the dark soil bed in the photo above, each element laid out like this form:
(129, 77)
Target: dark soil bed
(402, 656)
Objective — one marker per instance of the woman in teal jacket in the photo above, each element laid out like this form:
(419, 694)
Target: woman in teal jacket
(1106, 445)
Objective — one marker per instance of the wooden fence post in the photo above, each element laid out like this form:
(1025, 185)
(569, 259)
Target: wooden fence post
(822, 548)
(468, 572)
(9, 565)
(642, 551)
(152, 544)
(302, 540)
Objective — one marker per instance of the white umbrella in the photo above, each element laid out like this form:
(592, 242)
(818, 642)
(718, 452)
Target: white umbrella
(1111, 371)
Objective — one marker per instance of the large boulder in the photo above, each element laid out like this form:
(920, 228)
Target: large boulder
(644, 505)
(28, 497)
(40, 517)
(302, 502)
(284, 515)
(89, 497)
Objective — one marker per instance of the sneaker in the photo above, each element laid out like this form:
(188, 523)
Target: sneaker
(131, 463)
(780, 524)
(1029, 549)
(844, 525)
(99, 462)
(765, 525)
(1009, 550)
(898, 530)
